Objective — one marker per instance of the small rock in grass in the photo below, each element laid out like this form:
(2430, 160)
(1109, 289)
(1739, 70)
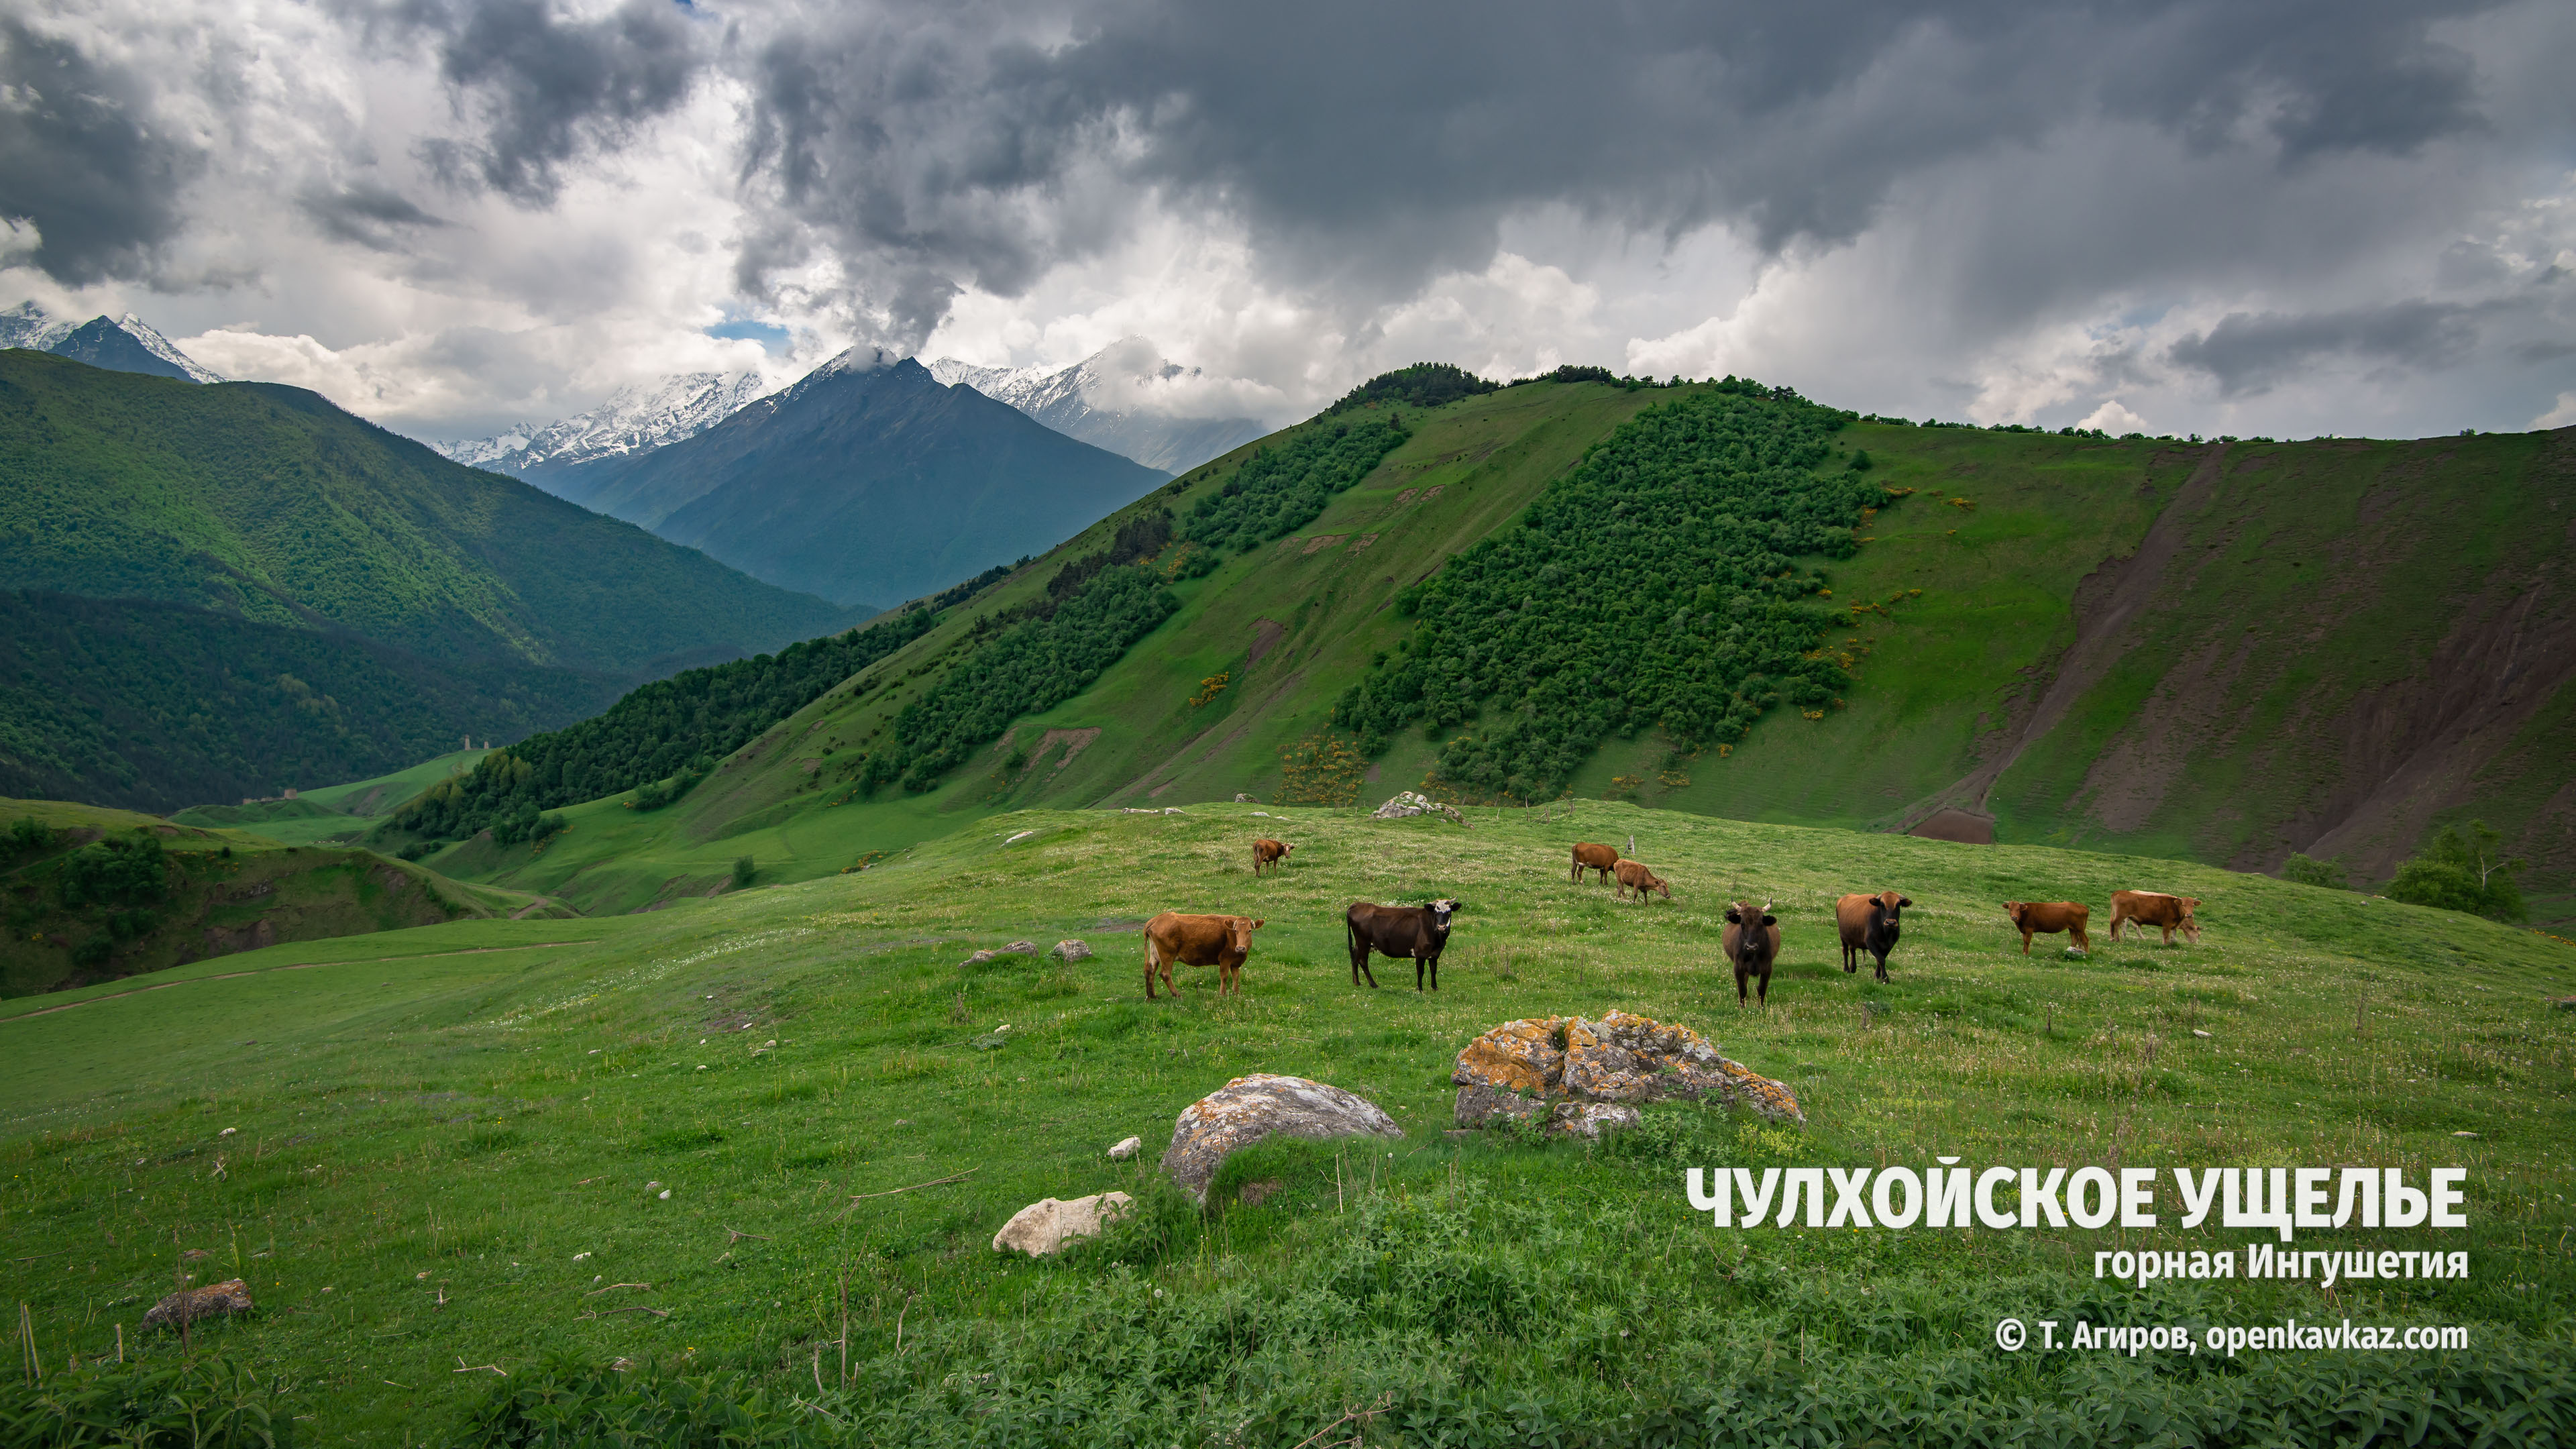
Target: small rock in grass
(227, 1132)
(1048, 1224)
(1070, 952)
(2196, 1031)
(979, 958)
(1127, 1147)
(664, 1195)
(1242, 799)
(1591, 1119)
(1253, 1107)
(2464, 1134)
(190, 1304)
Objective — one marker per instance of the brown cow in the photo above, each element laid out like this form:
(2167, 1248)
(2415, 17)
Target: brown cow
(1218, 941)
(2047, 918)
(1269, 852)
(1598, 859)
(1869, 923)
(1752, 942)
(1634, 876)
(2155, 908)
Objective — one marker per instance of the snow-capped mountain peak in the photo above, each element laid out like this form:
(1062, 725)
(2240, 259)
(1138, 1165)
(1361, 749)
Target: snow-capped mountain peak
(30, 326)
(635, 419)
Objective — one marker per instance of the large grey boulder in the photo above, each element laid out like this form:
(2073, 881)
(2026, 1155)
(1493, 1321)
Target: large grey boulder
(1408, 802)
(1618, 1058)
(1048, 1224)
(1248, 1109)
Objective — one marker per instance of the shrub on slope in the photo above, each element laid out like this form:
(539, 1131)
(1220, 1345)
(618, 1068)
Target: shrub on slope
(1280, 489)
(1653, 585)
(1040, 661)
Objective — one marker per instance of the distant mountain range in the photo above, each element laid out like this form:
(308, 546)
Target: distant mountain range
(127, 344)
(1073, 401)
(867, 479)
(634, 420)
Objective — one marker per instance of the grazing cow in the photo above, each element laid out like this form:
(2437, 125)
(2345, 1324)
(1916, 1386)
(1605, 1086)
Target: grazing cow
(2155, 908)
(1634, 876)
(1418, 932)
(2047, 918)
(1598, 859)
(1269, 852)
(1869, 923)
(1752, 942)
(1218, 941)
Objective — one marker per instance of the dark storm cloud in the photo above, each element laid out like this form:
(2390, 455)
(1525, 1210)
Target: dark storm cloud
(2246, 352)
(1376, 144)
(80, 161)
(373, 216)
(545, 87)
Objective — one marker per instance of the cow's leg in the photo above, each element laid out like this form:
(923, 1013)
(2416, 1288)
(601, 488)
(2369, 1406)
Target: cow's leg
(2025, 943)
(1739, 985)
(1763, 991)
(2083, 942)
(1149, 968)
(1882, 968)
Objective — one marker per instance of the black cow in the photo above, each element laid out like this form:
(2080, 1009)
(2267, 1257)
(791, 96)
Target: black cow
(1418, 932)
(1752, 942)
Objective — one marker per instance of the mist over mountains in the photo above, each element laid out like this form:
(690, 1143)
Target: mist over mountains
(1080, 402)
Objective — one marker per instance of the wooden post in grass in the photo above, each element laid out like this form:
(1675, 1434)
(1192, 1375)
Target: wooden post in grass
(2052, 1021)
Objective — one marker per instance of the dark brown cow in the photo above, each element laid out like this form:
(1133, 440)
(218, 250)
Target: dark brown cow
(1634, 876)
(1598, 859)
(1218, 941)
(2047, 918)
(1416, 932)
(2155, 908)
(1268, 852)
(1869, 923)
(1752, 942)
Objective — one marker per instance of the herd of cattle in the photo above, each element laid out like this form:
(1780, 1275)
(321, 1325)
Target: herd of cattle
(1869, 924)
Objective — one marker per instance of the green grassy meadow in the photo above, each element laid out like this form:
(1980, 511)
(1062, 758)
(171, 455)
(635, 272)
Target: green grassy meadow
(431, 1151)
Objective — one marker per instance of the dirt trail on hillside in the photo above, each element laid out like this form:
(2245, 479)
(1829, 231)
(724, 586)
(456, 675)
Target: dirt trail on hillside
(2107, 602)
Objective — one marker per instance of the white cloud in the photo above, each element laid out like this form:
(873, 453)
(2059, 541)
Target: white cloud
(2115, 419)
(2561, 416)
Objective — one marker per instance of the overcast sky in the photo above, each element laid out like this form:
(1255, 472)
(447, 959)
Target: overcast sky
(2286, 219)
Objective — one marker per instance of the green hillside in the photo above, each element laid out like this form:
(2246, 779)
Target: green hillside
(270, 503)
(559, 1182)
(2328, 647)
(338, 813)
(98, 895)
(147, 705)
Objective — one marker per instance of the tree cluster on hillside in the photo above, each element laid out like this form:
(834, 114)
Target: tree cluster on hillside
(673, 727)
(1283, 487)
(153, 706)
(1424, 385)
(2463, 870)
(1655, 584)
(1051, 649)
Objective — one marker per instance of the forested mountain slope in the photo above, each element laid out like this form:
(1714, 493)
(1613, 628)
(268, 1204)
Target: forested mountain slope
(2222, 651)
(867, 480)
(270, 503)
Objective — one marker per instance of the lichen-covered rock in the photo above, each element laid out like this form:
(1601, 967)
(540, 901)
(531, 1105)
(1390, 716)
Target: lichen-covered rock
(1248, 1109)
(191, 1304)
(1048, 1224)
(1518, 1056)
(1408, 802)
(1127, 1147)
(1480, 1105)
(1618, 1058)
(1070, 951)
